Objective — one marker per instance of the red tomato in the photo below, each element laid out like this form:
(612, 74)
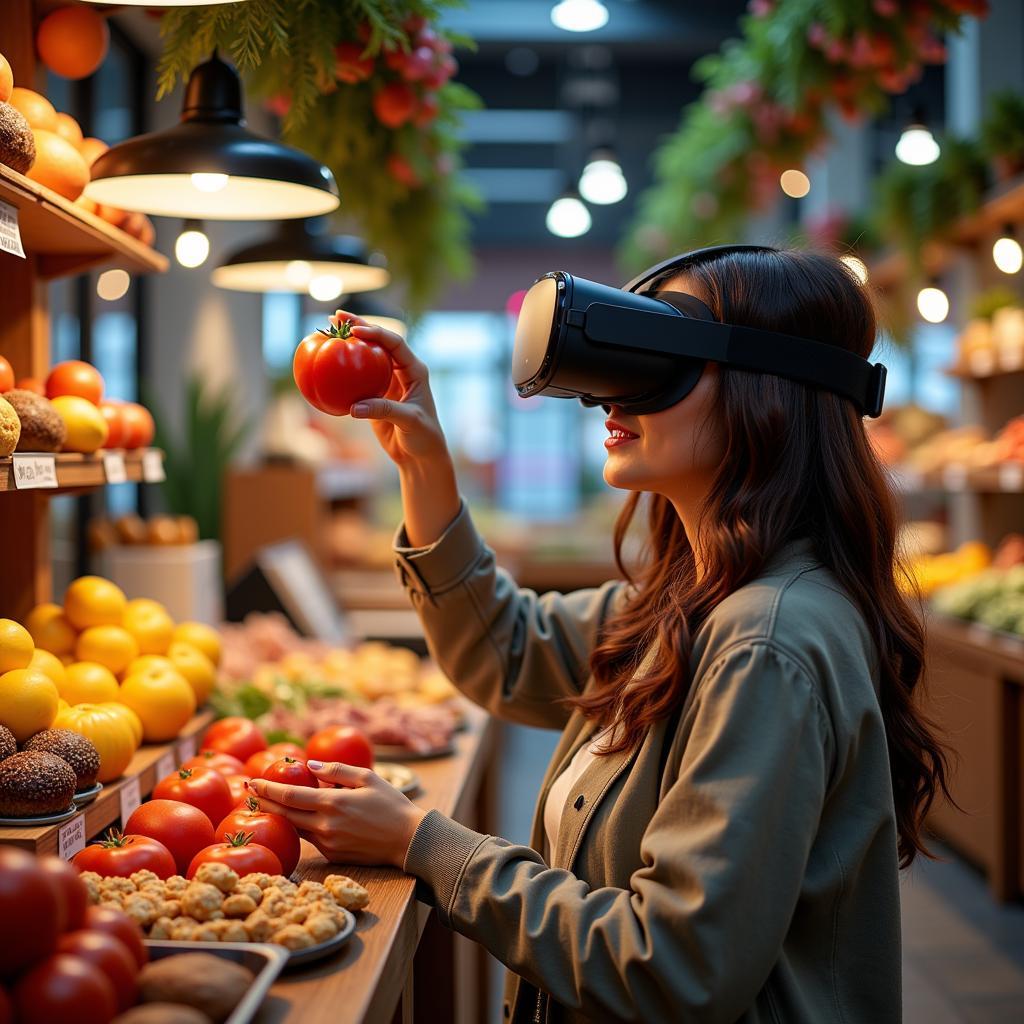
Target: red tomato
(340, 743)
(6, 375)
(285, 748)
(201, 787)
(74, 897)
(237, 783)
(138, 425)
(182, 828)
(74, 377)
(426, 112)
(236, 736)
(292, 772)
(109, 955)
(334, 370)
(226, 764)
(394, 104)
(30, 910)
(270, 830)
(121, 855)
(121, 926)
(259, 762)
(64, 988)
(240, 854)
(33, 384)
(116, 432)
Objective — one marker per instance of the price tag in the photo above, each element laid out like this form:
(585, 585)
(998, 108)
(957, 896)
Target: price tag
(954, 477)
(1011, 359)
(130, 799)
(187, 748)
(32, 471)
(71, 837)
(166, 765)
(153, 467)
(1011, 476)
(114, 468)
(982, 362)
(10, 233)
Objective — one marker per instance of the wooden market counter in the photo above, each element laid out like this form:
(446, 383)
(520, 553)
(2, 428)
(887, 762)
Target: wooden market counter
(382, 973)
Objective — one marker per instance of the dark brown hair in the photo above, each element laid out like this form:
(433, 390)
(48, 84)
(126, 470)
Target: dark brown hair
(797, 464)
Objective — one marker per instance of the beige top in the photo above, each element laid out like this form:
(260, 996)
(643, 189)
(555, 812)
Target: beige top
(561, 789)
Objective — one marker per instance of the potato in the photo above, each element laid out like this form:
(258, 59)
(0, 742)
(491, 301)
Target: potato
(209, 983)
(162, 1013)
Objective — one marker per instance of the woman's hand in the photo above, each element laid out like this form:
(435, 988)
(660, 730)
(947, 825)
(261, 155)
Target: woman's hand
(366, 821)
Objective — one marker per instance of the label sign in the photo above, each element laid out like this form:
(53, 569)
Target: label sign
(71, 837)
(1011, 476)
(954, 477)
(114, 468)
(10, 233)
(153, 467)
(982, 362)
(187, 748)
(166, 765)
(32, 471)
(130, 799)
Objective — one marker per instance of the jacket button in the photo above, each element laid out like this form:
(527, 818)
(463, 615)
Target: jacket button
(507, 1011)
(579, 802)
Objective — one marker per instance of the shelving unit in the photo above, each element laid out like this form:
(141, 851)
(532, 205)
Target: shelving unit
(74, 472)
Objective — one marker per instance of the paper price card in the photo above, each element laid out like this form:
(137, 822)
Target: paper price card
(954, 477)
(153, 467)
(71, 837)
(1011, 476)
(166, 765)
(114, 468)
(130, 799)
(32, 471)
(982, 362)
(10, 233)
(187, 748)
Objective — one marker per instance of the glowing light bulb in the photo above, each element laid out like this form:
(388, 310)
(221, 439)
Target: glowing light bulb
(794, 183)
(933, 304)
(857, 265)
(1007, 254)
(325, 287)
(580, 15)
(112, 284)
(917, 146)
(602, 182)
(192, 246)
(209, 182)
(298, 273)
(568, 218)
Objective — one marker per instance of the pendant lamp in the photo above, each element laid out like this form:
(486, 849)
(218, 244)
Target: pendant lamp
(210, 165)
(302, 257)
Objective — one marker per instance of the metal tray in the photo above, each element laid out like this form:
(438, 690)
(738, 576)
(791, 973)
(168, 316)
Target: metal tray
(298, 957)
(262, 958)
(86, 796)
(386, 752)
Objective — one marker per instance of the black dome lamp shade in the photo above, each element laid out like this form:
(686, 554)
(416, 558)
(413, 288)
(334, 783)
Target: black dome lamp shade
(299, 257)
(210, 165)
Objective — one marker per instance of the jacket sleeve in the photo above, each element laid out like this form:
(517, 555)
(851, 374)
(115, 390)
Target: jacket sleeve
(695, 936)
(510, 651)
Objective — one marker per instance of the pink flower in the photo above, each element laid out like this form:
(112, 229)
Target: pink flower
(886, 8)
(760, 8)
(817, 35)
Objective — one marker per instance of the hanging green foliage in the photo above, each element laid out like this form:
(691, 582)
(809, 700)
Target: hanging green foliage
(365, 87)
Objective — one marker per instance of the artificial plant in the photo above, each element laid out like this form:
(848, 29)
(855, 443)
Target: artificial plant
(1002, 132)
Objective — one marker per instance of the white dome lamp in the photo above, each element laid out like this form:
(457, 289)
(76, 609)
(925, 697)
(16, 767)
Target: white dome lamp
(1006, 251)
(602, 181)
(568, 216)
(917, 145)
(579, 15)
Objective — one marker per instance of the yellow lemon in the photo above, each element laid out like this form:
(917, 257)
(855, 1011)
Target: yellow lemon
(195, 666)
(16, 645)
(112, 646)
(94, 601)
(85, 682)
(202, 636)
(28, 702)
(146, 661)
(50, 665)
(162, 699)
(87, 429)
(150, 624)
(50, 629)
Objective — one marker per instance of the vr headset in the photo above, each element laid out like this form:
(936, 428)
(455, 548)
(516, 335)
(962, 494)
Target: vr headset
(644, 351)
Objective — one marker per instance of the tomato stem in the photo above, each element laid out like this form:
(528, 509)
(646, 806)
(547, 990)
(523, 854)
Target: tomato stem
(238, 838)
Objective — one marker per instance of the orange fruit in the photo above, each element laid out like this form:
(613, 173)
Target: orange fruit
(6, 79)
(111, 646)
(196, 667)
(125, 713)
(91, 148)
(36, 109)
(202, 636)
(87, 682)
(69, 130)
(16, 645)
(50, 665)
(28, 702)
(58, 165)
(94, 601)
(149, 661)
(151, 625)
(72, 41)
(50, 629)
(162, 699)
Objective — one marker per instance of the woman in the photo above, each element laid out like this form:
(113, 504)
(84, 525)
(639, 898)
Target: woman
(743, 767)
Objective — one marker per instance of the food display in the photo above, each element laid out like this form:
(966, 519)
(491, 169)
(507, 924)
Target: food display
(133, 530)
(993, 598)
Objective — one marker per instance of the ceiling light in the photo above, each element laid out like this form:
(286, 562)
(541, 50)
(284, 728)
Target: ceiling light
(580, 15)
(112, 284)
(568, 217)
(857, 265)
(209, 165)
(192, 247)
(294, 255)
(602, 181)
(326, 287)
(794, 183)
(1006, 252)
(917, 146)
(933, 304)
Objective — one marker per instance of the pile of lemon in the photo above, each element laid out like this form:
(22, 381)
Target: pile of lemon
(119, 672)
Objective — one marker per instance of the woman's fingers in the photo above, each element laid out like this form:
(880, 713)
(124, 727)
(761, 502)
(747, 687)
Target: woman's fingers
(407, 364)
(347, 775)
(309, 821)
(303, 798)
(403, 415)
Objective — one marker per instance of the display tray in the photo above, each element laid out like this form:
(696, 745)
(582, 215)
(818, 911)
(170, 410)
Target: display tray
(265, 960)
(42, 819)
(323, 950)
(404, 779)
(86, 796)
(392, 753)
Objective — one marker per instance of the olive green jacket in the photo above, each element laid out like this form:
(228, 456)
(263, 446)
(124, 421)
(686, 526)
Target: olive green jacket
(741, 865)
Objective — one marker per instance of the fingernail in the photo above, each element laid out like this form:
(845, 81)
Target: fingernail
(359, 409)
(315, 766)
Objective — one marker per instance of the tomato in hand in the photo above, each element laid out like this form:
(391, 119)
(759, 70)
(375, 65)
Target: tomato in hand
(182, 828)
(236, 736)
(292, 772)
(138, 425)
(270, 830)
(334, 370)
(226, 764)
(201, 787)
(64, 988)
(73, 377)
(340, 743)
(121, 926)
(120, 855)
(6, 375)
(30, 910)
(74, 897)
(240, 854)
(109, 955)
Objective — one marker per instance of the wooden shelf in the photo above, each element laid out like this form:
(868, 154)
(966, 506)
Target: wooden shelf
(1005, 649)
(988, 367)
(1007, 478)
(78, 472)
(67, 239)
(146, 769)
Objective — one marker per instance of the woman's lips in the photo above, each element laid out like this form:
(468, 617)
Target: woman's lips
(619, 435)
